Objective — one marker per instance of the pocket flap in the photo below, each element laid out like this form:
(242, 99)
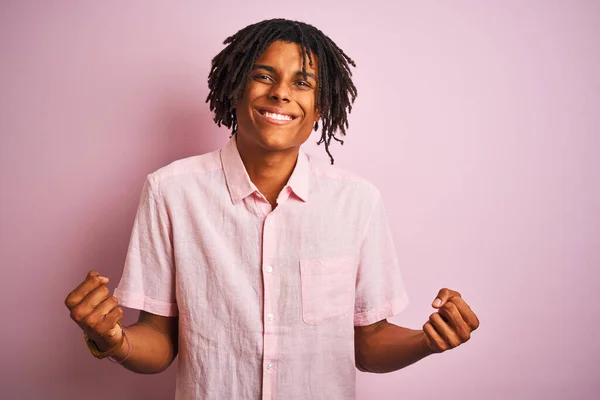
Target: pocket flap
(325, 265)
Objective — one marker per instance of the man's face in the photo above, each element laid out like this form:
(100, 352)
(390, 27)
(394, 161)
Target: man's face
(277, 110)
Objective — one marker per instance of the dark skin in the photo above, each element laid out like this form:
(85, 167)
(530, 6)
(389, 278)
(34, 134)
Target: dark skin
(385, 347)
(275, 114)
(153, 338)
(269, 147)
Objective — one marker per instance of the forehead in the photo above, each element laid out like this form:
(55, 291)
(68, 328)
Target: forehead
(286, 55)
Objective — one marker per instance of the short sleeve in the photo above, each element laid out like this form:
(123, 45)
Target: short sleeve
(148, 281)
(380, 290)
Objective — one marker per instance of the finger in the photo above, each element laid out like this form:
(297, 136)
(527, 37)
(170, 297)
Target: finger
(443, 296)
(91, 282)
(109, 325)
(107, 332)
(465, 311)
(94, 321)
(450, 314)
(445, 331)
(85, 307)
(436, 342)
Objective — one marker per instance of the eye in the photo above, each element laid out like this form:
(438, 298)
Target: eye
(262, 77)
(303, 84)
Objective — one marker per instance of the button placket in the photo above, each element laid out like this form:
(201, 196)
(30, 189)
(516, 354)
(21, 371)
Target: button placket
(271, 281)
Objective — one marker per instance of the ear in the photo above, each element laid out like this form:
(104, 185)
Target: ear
(317, 115)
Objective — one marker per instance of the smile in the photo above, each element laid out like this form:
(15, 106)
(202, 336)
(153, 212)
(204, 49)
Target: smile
(276, 118)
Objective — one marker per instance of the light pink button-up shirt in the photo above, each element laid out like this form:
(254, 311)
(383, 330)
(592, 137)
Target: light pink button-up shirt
(267, 299)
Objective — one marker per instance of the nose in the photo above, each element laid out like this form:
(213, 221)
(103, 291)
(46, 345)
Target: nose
(280, 92)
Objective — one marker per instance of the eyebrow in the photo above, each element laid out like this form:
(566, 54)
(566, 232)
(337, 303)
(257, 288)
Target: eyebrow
(272, 70)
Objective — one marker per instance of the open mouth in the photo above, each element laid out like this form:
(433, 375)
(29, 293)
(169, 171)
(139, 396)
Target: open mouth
(276, 116)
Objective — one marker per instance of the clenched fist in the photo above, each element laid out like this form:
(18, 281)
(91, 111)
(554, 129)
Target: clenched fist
(452, 324)
(95, 311)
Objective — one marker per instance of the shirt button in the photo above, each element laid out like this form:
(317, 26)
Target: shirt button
(270, 366)
(269, 268)
(270, 317)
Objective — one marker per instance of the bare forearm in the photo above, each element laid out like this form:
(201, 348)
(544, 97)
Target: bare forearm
(151, 349)
(389, 347)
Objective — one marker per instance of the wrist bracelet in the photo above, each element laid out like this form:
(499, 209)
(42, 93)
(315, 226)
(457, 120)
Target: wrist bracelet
(93, 348)
(113, 360)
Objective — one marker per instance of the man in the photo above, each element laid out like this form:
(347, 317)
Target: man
(269, 274)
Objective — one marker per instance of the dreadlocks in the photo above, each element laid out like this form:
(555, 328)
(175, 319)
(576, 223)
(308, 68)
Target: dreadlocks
(231, 67)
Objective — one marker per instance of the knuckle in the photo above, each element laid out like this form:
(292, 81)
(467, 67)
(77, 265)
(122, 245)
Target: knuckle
(69, 302)
(454, 298)
(76, 315)
(464, 334)
(449, 293)
(90, 321)
(473, 323)
(103, 290)
(117, 313)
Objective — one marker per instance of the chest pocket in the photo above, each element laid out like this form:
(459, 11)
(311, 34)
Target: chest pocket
(327, 289)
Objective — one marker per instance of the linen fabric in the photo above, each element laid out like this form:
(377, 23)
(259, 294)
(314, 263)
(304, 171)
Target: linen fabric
(267, 299)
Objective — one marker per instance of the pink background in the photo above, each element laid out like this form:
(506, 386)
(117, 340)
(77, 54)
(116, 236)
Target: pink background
(479, 121)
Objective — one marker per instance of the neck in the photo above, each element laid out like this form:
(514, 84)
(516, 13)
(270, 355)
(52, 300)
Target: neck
(268, 170)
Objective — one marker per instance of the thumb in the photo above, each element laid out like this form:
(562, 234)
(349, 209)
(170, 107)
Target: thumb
(442, 297)
(112, 332)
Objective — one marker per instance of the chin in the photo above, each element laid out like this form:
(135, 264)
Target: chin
(273, 138)
(277, 139)
(276, 143)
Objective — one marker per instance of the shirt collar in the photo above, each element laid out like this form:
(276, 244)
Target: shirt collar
(239, 184)
(298, 181)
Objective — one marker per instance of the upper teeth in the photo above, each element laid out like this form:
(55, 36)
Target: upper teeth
(281, 117)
